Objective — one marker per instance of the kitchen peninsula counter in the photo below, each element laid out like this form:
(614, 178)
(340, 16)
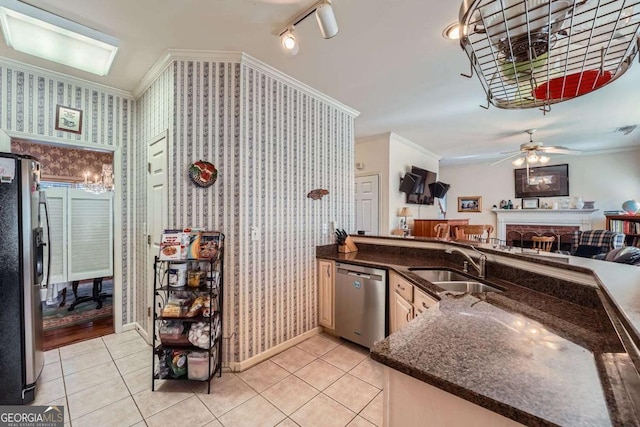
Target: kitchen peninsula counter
(544, 352)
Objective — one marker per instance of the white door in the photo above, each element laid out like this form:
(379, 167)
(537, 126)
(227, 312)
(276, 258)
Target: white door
(367, 204)
(157, 209)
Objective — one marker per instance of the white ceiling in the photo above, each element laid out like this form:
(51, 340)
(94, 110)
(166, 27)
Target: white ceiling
(389, 61)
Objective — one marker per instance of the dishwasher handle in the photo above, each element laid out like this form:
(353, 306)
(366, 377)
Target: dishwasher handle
(374, 277)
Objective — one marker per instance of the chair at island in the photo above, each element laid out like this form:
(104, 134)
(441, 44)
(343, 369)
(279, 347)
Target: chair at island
(477, 233)
(442, 230)
(543, 243)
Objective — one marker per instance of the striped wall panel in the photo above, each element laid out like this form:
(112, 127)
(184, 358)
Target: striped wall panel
(154, 115)
(28, 99)
(272, 144)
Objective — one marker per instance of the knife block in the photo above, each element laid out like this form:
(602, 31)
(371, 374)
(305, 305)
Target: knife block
(348, 246)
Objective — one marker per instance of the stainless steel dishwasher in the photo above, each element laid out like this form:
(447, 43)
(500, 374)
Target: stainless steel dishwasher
(360, 303)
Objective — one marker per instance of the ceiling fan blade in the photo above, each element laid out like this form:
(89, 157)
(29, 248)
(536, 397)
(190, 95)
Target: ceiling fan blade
(559, 150)
(506, 158)
(511, 152)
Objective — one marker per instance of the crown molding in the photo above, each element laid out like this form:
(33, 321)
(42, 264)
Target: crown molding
(277, 74)
(171, 55)
(395, 137)
(233, 57)
(61, 77)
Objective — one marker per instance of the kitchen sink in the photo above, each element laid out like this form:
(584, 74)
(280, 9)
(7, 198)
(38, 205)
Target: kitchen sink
(438, 275)
(465, 286)
(452, 281)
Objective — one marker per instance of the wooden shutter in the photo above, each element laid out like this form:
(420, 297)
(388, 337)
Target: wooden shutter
(90, 235)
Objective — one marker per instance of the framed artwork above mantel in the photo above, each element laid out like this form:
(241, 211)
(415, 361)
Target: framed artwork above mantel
(544, 181)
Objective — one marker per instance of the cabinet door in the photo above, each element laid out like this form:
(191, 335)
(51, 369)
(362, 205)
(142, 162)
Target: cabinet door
(422, 302)
(401, 286)
(402, 312)
(326, 292)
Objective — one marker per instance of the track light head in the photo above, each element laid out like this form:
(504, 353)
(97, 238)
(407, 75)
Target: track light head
(289, 42)
(326, 20)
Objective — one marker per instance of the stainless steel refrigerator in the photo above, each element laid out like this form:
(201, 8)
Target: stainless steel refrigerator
(22, 248)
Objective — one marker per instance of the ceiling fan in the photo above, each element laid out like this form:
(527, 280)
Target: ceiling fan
(533, 153)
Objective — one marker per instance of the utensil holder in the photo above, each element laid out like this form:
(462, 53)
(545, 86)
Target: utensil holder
(347, 246)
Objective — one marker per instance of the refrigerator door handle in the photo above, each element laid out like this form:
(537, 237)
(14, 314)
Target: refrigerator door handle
(43, 201)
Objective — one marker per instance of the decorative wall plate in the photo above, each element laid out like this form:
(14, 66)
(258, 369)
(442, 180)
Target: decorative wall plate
(203, 174)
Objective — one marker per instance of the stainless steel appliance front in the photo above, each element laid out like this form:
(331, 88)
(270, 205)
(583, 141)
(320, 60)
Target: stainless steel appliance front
(360, 303)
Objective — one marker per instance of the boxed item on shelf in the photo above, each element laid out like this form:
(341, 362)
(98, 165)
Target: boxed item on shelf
(209, 244)
(173, 245)
(193, 246)
(198, 366)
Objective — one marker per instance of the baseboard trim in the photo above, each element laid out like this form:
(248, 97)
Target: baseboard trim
(252, 361)
(136, 326)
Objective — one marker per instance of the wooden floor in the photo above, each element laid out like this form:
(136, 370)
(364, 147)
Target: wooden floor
(72, 334)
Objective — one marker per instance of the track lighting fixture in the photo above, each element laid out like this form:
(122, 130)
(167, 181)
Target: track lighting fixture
(289, 41)
(326, 21)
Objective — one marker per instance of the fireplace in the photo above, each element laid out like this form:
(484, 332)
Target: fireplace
(517, 226)
(519, 235)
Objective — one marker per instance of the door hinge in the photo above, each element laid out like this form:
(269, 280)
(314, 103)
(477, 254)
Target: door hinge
(148, 239)
(148, 167)
(148, 311)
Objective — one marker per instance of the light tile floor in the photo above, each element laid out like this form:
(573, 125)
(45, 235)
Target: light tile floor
(323, 381)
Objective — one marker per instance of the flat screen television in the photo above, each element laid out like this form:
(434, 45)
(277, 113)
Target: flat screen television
(421, 194)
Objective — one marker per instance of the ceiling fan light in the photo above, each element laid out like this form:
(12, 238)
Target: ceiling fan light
(289, 42)
(532, 158)
(518, 162)
(544, 159)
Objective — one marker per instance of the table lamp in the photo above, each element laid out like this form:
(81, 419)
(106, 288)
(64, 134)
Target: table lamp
(405, 212)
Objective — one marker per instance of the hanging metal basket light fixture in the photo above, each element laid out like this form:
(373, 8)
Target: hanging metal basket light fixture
(534, 53)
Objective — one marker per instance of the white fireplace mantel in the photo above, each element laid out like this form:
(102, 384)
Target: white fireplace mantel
(567, 217)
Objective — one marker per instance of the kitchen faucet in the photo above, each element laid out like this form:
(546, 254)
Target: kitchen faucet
(482, 261)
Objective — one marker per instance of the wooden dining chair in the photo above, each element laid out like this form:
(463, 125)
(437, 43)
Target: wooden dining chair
(474, 232)
(442, 230)
(543, 243)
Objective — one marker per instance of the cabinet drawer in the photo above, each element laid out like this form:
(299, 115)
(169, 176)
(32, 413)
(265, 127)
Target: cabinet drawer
(403, 288)
(422, 301)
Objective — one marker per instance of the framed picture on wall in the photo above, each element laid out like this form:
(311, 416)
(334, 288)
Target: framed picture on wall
(470, 204)
(545, 181)
(68, 119)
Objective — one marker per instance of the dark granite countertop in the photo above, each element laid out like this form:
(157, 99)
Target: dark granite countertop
(539, 353)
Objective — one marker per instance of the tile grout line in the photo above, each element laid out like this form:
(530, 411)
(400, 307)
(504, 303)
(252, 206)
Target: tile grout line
(125, 383)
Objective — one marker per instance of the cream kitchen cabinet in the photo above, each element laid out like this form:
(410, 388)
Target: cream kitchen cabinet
(400, 299)
(326, 293)
(422, 302)
(405, 302)
(401, 312)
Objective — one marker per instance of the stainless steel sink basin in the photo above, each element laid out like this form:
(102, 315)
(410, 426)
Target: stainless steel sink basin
(439, 275)
(465, 286)
(452, 281)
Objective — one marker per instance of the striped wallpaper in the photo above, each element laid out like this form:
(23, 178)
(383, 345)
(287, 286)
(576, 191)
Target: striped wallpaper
(28, 99)
(154, 115)
(272, 143)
